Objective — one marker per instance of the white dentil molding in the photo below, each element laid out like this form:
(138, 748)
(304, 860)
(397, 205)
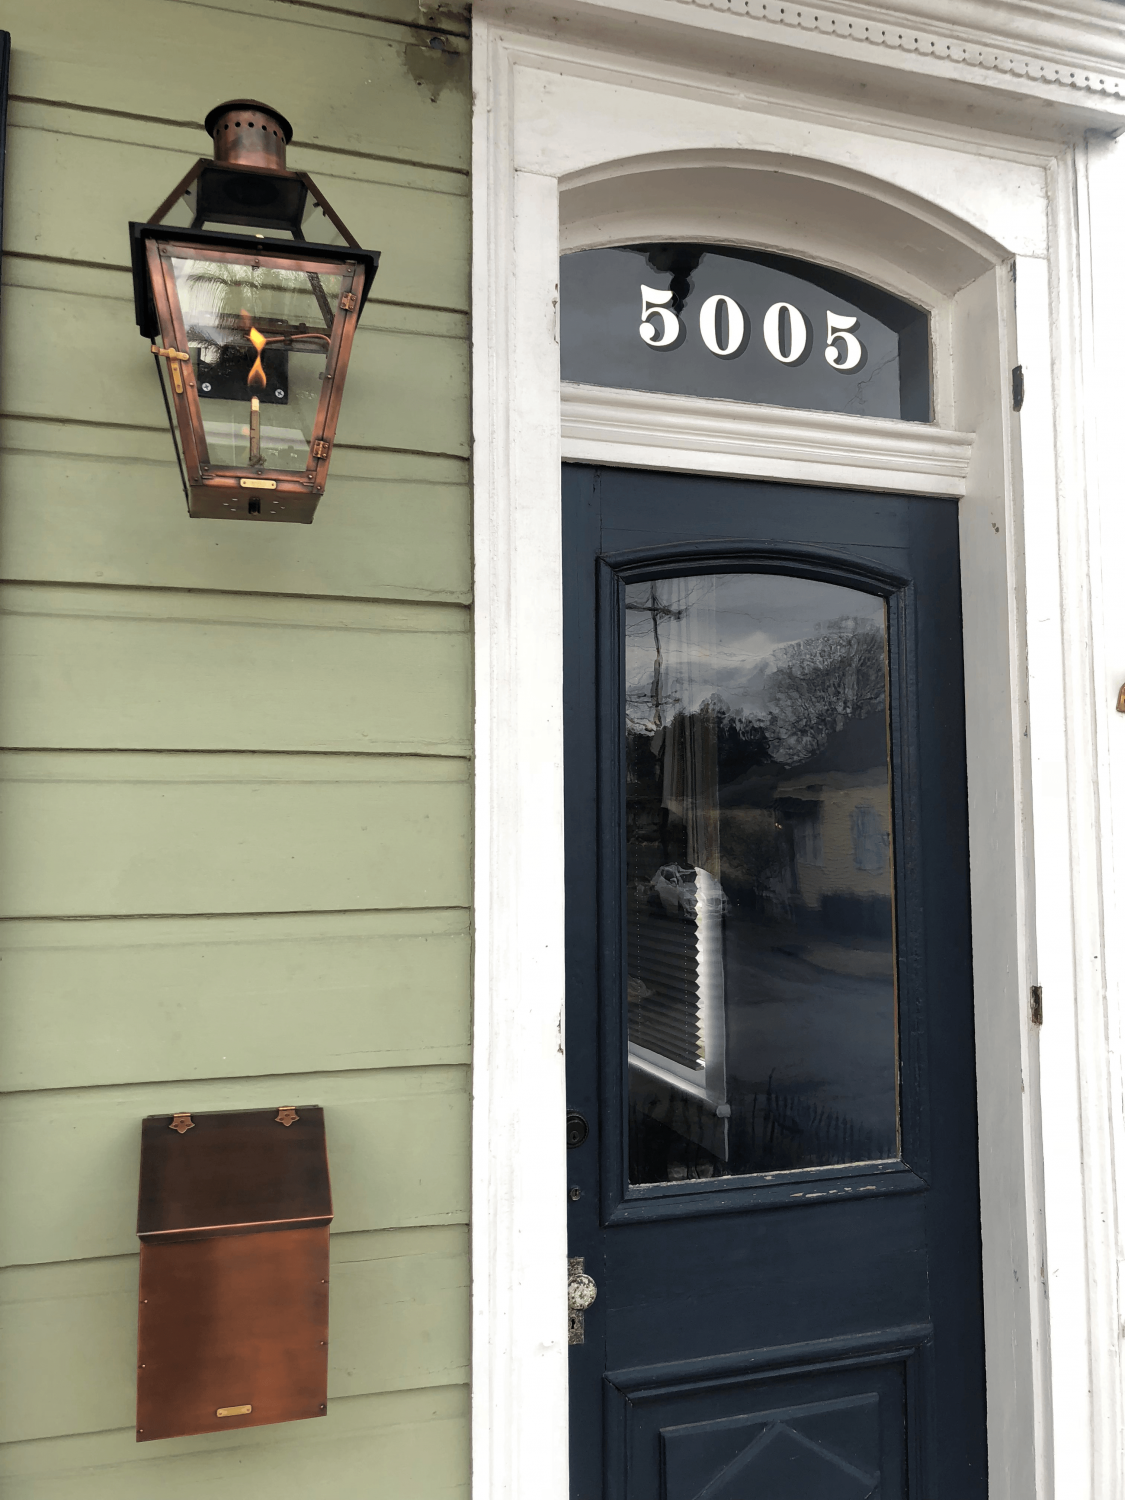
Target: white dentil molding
(1033, 49)
(703, 435)
(1032, 41)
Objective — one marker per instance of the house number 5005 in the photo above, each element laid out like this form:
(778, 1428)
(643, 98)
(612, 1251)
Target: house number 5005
(842, 350)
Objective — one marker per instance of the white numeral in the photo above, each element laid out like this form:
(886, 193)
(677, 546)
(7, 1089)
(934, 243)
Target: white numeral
(798, 332)
(709, 326)
(654, 302)
(852, 353)
(843, 350)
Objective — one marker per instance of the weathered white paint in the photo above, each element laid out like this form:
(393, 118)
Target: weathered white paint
(1101, 208)
(1033, 50)
(1001, 196)
(634, 142)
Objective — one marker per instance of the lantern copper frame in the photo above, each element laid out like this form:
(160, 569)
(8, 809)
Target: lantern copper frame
(250, 491)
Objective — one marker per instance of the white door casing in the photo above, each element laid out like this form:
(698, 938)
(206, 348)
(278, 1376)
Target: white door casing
(582, 141)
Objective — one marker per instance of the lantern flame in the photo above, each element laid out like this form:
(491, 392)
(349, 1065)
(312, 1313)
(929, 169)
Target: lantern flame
(257, 375)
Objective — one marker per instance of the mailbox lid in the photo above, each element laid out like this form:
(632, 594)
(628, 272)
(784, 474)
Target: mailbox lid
(233, 1171)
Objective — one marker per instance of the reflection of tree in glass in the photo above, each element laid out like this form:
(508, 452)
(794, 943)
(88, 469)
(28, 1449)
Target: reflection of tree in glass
(740, 741)
(822, 682)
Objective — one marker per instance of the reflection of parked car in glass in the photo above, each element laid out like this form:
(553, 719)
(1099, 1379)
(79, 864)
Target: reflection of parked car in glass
(688, 892)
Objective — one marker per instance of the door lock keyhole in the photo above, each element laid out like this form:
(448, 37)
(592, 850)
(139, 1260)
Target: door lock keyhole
(581, 1293)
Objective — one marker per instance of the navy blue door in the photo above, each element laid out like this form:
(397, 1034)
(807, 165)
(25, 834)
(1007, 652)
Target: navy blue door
(772, 1145)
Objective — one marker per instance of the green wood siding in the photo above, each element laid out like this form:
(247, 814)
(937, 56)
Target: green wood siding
(234, 758)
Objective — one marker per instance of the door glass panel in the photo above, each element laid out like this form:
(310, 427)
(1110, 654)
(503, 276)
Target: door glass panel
(759, 899)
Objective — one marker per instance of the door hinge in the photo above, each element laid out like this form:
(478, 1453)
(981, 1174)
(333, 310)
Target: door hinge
(1037, 1005)
(347, 302)
(319, 449)
(1017, 388)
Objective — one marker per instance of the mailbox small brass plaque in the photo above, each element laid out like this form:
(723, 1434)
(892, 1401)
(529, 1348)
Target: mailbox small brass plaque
(234, 1411)
(180, 1123)
(286, 1115)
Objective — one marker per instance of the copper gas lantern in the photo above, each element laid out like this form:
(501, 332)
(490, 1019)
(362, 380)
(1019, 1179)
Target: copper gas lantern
(250, 333)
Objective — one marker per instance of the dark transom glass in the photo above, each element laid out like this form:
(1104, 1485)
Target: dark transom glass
(744, 325)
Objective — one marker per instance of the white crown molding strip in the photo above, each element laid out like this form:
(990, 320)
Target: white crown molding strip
(644, 429)
(992, 52)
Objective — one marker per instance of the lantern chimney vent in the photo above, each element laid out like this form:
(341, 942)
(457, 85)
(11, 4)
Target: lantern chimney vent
(248, 133)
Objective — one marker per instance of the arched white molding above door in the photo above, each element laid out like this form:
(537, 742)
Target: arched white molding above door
(815, 210)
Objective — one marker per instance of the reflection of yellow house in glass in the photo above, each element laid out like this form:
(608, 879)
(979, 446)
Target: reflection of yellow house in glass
(837, 808)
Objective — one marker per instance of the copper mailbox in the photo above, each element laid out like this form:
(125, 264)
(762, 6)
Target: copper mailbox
(233, 1223)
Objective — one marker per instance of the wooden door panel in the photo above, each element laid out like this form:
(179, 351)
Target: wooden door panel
(702, 1287)
(798, 1333)
(815, 1427)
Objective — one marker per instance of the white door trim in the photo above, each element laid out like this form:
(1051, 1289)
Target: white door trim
(547, 113)
(702, 435)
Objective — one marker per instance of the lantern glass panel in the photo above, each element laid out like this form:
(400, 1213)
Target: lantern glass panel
(257, 331)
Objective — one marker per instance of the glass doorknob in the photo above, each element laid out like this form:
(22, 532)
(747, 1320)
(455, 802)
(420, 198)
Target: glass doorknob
(581, 1291)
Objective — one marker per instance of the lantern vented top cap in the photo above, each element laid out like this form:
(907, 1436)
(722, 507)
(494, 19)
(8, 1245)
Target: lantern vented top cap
(254, 105)
(248, 133)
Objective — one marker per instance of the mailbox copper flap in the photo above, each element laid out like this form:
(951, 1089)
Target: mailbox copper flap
(233, 1221)
(233, 1171)
(232, 1332)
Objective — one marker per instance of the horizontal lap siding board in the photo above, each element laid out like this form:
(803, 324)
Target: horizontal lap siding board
(410, 1443)
(122, 834)
(104, 668)
(345, 82)
(134, 1000)
(393, 526)
(234, 758)
(414, 215)
(404, 387)
(398, 1144)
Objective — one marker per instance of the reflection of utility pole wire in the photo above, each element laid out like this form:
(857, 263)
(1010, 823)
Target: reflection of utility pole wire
(658, 612)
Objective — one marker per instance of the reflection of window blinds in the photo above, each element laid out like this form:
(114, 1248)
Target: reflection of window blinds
(664, 1007)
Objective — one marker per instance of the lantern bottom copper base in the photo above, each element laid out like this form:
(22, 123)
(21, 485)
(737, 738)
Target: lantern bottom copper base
(233, 1332)
(211, 503)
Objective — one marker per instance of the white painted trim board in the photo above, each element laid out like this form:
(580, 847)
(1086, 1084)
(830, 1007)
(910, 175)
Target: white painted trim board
(549, 111)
